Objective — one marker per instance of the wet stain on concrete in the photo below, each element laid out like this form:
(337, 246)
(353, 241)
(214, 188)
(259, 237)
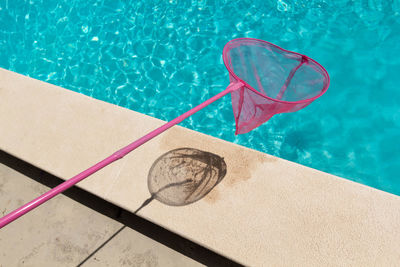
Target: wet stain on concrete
(213, 196)
(241, 161)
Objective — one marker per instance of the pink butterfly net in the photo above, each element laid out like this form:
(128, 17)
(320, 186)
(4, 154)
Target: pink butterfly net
(275, 81)
(265, 80)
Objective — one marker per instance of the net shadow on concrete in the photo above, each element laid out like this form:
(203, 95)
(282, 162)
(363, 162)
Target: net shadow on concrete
(129, 219)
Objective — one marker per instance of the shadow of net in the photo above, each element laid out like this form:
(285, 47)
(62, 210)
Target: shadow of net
(183, 176)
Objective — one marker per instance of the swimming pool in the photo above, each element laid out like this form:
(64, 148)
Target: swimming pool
(163, 57)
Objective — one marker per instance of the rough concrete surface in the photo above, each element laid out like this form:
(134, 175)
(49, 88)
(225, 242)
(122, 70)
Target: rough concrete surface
(63, 232)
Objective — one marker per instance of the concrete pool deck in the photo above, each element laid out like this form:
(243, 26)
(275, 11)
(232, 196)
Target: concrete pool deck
(266, 210)
(67, 233)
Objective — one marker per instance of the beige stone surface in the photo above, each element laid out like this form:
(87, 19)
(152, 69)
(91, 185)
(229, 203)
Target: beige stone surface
(266, 211)
(64, 233)
(61, 233)
(130, 248)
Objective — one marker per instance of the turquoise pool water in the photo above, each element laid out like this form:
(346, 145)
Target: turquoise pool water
(163, 57)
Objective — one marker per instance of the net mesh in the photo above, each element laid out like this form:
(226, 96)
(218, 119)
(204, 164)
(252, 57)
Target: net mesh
(276, 81)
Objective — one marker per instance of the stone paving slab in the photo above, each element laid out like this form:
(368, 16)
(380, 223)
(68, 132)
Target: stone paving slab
(65, 232)
(130, 248)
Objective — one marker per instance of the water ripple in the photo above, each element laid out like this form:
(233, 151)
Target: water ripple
(163, 57)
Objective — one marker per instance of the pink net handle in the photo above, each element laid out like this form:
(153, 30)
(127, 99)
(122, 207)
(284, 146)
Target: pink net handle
(276, 81)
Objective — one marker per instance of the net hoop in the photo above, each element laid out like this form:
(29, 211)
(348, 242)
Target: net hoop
(231, 44)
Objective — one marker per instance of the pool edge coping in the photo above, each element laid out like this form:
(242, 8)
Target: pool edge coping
(23, 140)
